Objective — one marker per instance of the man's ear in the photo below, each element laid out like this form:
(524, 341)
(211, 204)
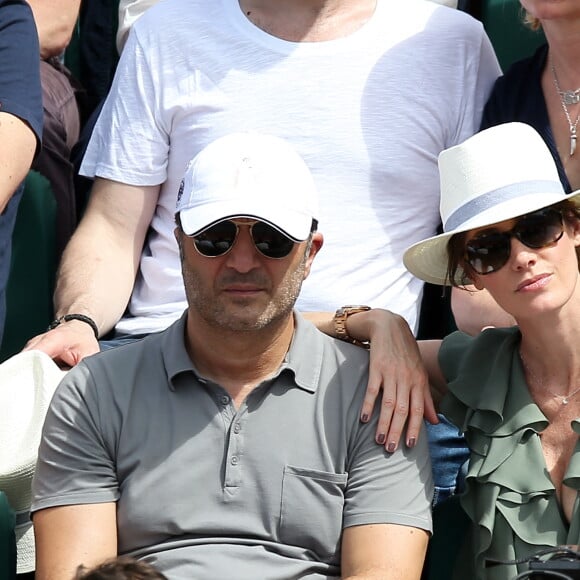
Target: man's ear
(314, 247)
(178, 233)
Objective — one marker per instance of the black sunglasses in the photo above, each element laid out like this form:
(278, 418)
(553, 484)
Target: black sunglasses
(489, 252)
(218, 239)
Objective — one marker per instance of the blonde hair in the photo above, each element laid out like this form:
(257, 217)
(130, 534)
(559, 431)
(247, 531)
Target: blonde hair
(530, 21)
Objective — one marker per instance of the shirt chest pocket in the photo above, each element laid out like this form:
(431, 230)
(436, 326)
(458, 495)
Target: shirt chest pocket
(311, 510)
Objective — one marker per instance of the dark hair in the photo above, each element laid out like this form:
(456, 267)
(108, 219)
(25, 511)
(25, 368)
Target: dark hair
(456, 247)
(121, 568)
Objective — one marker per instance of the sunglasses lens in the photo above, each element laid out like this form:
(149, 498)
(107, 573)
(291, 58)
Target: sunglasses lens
(217, 240)
(540, 229)
(488, 253)
(270, 242)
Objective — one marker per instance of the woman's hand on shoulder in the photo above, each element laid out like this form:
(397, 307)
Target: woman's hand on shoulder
(396, 370)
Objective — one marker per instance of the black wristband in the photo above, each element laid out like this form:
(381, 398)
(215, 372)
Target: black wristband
(86, 319)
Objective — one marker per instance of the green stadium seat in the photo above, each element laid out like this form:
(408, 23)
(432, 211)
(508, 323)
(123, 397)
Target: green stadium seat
(7, 540)
(33, 266)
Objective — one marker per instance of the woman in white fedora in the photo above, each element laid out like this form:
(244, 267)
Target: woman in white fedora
(515, 392)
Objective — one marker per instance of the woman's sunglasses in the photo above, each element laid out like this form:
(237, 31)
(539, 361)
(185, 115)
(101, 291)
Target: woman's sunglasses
(218, 240)
(489, 252)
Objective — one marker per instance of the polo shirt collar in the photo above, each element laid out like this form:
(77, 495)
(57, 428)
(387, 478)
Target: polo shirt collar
(175, 356)
(303, 359)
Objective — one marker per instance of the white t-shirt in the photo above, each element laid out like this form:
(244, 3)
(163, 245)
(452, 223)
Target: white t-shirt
(369, 113)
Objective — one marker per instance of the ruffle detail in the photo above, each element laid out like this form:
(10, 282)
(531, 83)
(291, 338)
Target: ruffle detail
(489, 401)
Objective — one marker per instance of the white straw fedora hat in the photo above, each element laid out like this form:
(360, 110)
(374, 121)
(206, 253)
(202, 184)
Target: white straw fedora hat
(27, 383)
(498, 174)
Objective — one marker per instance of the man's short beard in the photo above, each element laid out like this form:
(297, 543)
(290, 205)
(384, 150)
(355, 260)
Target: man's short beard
(278, 309)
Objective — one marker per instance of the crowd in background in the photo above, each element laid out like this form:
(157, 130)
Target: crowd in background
(113, 150)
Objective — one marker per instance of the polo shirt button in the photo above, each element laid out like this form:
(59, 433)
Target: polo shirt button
(225, 400)
(234, 460)
(237, 428)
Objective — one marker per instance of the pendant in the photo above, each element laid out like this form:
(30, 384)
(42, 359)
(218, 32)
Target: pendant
(571, 97)
(572, 141)
(565, 401)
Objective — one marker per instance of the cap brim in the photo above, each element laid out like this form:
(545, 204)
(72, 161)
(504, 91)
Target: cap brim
(295, 225)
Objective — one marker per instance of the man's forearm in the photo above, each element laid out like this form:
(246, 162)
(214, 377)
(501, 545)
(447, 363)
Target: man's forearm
(99, 265)
(94, 279)
(98, 268)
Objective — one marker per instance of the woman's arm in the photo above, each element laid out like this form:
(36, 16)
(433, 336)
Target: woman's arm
(396, 368)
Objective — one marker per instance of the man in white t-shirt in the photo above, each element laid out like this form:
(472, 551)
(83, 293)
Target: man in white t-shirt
(368, 92)
(369, 99)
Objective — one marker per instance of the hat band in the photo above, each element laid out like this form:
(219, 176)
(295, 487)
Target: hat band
(493, 198)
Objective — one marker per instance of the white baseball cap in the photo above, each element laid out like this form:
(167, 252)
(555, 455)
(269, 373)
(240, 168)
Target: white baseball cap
(252, 176)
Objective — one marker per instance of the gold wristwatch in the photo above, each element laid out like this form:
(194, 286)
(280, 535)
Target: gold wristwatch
(340, 317)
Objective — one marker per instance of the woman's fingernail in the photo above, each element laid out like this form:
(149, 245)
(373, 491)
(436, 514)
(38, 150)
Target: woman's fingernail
(411, 442)
(391, 447)
(381, 438)
(365, 418)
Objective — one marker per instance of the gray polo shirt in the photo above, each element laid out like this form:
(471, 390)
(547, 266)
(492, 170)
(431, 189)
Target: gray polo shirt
(207, 491)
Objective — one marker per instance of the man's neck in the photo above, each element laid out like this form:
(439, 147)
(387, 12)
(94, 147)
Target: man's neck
(308, 20)
(236, 360)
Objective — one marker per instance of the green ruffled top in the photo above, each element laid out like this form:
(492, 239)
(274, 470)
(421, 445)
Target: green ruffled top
(509, 495)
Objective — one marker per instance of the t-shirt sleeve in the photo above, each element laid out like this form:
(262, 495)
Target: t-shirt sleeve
(130, 141)
(20, 92)
(481, 73)
(387, 488)
(75, 463)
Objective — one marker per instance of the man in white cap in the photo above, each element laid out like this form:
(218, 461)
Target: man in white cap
(368, 92)
(230, 445)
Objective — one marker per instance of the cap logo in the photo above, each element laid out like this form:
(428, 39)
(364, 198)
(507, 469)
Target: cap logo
(245, 177)
(180, 192)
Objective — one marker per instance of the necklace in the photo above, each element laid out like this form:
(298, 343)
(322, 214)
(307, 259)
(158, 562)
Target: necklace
(567, 98)
(565, 399)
